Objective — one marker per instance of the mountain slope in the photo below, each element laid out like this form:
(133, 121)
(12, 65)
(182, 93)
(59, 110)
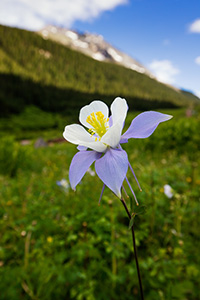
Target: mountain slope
(92, 45)
(46, 74)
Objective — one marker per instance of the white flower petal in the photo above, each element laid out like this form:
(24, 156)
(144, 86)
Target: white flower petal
(77, 135)
(97, 146)
(113, 135)
(119, 110)
(93, 107)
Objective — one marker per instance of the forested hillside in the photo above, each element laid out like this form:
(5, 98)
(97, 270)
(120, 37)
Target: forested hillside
(39, 72)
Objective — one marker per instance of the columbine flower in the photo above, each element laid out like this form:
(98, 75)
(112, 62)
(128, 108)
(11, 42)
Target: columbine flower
(103, 137)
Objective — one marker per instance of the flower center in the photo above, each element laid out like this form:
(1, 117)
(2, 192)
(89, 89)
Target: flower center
(98, 122)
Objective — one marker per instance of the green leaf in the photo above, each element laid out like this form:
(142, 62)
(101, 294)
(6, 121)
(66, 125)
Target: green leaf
(131, 221)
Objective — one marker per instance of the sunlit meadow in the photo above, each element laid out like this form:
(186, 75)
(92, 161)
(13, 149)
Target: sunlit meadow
(58, 244)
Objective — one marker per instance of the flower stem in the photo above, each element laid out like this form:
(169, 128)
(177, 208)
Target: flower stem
(135, 250)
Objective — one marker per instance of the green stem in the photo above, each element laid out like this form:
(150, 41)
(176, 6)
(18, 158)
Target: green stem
(114, 260)
(135, 250)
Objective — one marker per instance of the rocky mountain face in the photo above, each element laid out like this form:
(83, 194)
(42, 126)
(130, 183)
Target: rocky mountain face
(92, 45)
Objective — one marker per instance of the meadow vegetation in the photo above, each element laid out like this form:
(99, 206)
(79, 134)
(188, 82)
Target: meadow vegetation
(59, 244)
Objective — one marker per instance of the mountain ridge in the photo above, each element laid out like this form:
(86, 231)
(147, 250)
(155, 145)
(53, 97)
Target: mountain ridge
(94, 46)
(40, 72)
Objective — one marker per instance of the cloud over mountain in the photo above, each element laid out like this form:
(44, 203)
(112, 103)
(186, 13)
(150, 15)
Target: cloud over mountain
(34, 15)
(164, 70)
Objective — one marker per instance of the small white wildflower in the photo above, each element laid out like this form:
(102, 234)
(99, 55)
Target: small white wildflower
(168, 191)
(91, 172)
(63, 183)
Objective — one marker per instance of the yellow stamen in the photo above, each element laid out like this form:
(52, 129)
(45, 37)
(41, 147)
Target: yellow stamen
(98, 123)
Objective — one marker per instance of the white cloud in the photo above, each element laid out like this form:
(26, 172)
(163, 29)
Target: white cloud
(164, 70)
(195, 26)
(197, 60)
(197, 93)
(35, 14)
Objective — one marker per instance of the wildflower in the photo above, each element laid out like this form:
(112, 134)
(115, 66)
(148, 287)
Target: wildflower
(91, 172)
(104, 138)
(49, 239)
(168, 191)
(189, 179)
(63, 183)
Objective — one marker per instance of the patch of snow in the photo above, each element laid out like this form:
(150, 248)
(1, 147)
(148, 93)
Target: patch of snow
(72, 35)
(137, 68)
(53, 29)
(81, 44)
(92, 38)
(114, 54)
(98, 56)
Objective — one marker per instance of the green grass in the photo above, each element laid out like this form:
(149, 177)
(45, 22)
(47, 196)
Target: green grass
(59, 244)
(68, 79)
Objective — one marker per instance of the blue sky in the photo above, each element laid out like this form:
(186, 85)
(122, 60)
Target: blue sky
(164, 35)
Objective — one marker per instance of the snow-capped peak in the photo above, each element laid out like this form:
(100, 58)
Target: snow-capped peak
(92, 45)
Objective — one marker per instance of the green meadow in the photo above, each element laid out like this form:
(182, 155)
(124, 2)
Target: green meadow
(59, 244)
